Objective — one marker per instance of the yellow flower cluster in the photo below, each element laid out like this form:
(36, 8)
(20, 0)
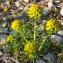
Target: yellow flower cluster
(30, 49)
(34, 11)
(10, 38)
(52, 25)
(16, 25)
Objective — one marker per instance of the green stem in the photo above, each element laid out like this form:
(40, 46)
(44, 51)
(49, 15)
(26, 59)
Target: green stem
(35, 31)
(41, 46)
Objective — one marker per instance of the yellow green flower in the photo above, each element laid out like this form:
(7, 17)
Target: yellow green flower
(6, 10)
(30, 49)
(10, 38)
(52, 26)
(16, 25)
(34, 11)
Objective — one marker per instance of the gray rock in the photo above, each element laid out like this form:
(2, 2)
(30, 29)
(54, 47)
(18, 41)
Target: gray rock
(56, 39)
(50, 57)
(2, 39)
(40, 61)
(3, 36)
(3, 30)
(1, 55)
(45, 12)
(2, 61)
(57, 1)
(60, 33)
(61, 11)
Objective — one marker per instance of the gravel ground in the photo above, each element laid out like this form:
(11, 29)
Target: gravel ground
(18, 11)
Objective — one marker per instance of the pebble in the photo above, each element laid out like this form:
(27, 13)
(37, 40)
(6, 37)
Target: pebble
(17, 4)
(57, 1)
(56, 39)
(2, 39)
(3, 36)
(61, 11)
(21, 8)
(1, 61)
(60, 33)
(4, 30)
(27, 1)
(40, 61)
(1, 53)
(45, 11)
(6, 4)
(51, 57)
(23, 17)
(50, 4)
(4, 24)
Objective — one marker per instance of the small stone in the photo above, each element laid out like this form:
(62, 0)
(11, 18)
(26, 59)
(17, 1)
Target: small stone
(40, 61)
(2, 36)
(23, 17)
(1, 53)
(6, 4)
(45, 11)
(60, 21)
(4, 18)
(50, 57)
(26, 1)
(4, 24)
(21, 8)
(55, 39)
(2, 61)
(2, 39)
(57, 1)
(60, 33)
(3, 30)
(50, 4)
(17, 4)
(61, 11)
